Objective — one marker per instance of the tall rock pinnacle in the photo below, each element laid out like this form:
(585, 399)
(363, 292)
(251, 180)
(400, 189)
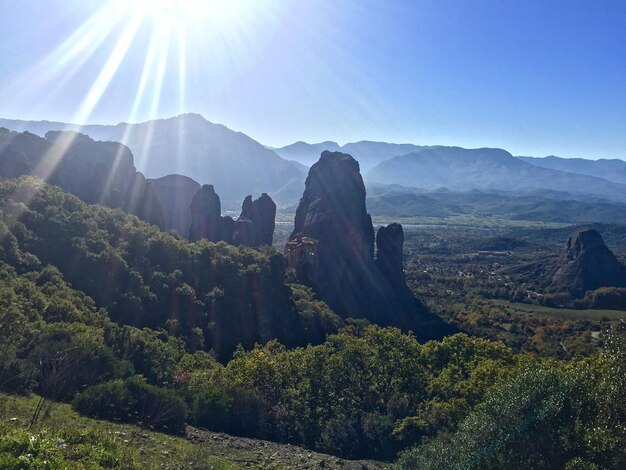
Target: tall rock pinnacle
(333, 243)
(206, 215)
(255, 226)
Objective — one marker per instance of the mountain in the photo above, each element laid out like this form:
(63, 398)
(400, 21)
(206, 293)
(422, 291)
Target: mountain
(367, 153)
(304, 153)
(189, 145)
(401, 204)
(612, 170)
(486, 169)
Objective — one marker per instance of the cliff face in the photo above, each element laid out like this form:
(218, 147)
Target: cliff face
(206, 215)
(255, 226)
(588, 264)
(175, 193)
(96, 172)
(332, 219)
(389, 244)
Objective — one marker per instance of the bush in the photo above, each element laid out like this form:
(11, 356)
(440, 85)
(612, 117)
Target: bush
(234, 411)
(134, 400)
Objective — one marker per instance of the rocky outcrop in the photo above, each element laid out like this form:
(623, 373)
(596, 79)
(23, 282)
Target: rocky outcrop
(333, 223)
(255, 226)
(389, 244)
(206, 215)
(588, 264)
(13, 164)
(175, 193)
(244, 233)
(141, 201)
(96, 172)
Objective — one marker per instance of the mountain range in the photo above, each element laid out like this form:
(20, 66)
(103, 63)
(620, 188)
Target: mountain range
(609, 169)
(486, 169)
(366, 152)
(237, 165)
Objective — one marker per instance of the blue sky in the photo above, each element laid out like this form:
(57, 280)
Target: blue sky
(535, 77)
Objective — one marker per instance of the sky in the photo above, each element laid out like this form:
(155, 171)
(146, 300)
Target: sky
(536, 77)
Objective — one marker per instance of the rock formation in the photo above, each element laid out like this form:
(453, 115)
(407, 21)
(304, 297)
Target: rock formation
(389, 243)
(588, 264)
(206, 215)
(244, 233)
(332, 215)
(13, 164)
(96, 172)
(141, 201)
(175, 193)
(255, 226)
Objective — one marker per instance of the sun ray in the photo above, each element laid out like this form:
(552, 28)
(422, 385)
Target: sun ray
(67, 59)
(146, 73)
(59, 147)
(110, 68)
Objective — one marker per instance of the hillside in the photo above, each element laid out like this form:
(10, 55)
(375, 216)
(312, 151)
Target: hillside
(137, 447)
(213, 296)
(191, 146)
(460, 169)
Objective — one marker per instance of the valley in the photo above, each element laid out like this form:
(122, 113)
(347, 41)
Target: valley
(159, 306)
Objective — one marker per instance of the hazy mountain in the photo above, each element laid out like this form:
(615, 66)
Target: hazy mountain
(612, 170)
(367, 153)
(460, 169)
(189, 145)
(305, 153)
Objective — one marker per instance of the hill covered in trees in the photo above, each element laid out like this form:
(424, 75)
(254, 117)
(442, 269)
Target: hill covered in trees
(213, 296)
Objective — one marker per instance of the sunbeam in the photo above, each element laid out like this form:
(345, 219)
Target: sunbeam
(109, 69)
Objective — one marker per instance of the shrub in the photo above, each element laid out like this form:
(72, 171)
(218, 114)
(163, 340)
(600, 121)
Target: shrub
(235, 411)
(134, 400)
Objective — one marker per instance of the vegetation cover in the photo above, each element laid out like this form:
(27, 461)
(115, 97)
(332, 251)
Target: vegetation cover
(86, 305)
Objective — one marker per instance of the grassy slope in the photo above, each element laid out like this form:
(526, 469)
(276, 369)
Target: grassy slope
(200, 449)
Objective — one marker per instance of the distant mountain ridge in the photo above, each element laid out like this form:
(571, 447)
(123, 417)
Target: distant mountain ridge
(610, 169)
(367, 153)
(237, 165)
(485, 169)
